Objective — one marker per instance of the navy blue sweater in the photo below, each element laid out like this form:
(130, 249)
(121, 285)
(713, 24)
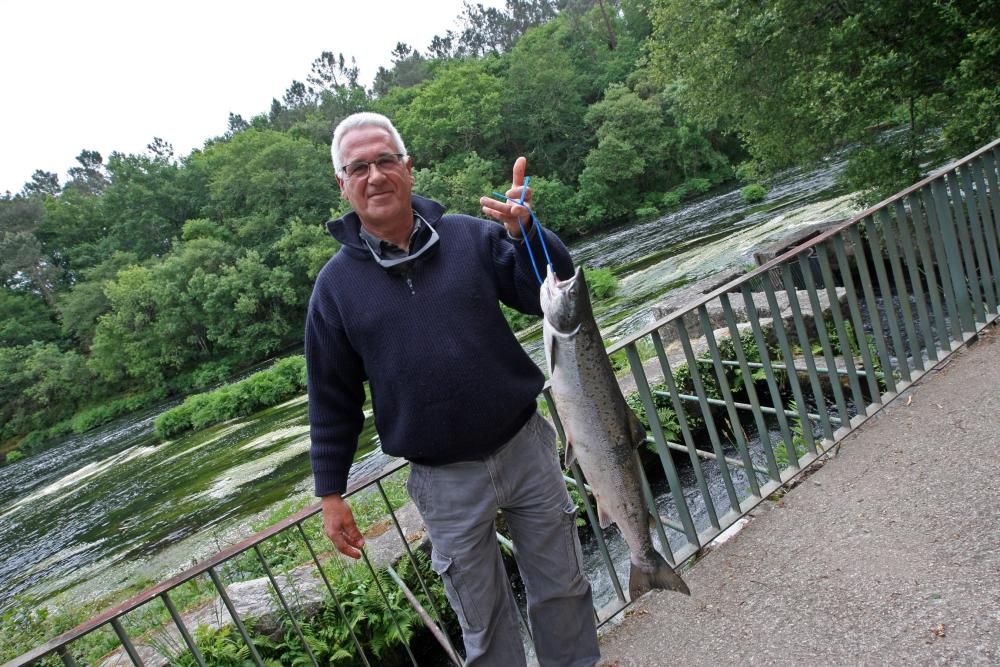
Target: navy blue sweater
(448, 379)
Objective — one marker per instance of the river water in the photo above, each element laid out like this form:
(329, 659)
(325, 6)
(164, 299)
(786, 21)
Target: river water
(114, 507)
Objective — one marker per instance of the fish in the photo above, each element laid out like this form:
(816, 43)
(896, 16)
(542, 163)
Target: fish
(602, 432)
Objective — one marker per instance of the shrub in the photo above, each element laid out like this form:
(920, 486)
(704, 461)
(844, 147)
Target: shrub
(646, 212)
(173, 421)
(282, 381)
(698, 185)
(13, 455)
(673, 198)
(753, 193)
(93, 417)
(33, 440)
(602, 283)
(214, 372)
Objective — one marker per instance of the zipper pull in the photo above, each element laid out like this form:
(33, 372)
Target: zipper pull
(409, 283)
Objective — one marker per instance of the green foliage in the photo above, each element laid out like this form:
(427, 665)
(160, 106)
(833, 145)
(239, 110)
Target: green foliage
(218, 646)
(795, 79)
(284, 380)
(753, 193)
(518, 320)
(104, 412)
(13, 456)
(781, 455)
(699, 185)
(381, 629)
(556, 205)
(642, 146)
(602, 283)
(664, 412)
(25, 319)
(674, 197)
(260, 180)
(42, 385)
(453, 114)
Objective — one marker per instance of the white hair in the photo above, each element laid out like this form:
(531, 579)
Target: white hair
(362, 119)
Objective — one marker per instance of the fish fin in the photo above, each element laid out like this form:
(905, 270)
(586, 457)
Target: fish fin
(636, 428)
(570, 455)
(662, 576)
(550, 347)
(603, 517)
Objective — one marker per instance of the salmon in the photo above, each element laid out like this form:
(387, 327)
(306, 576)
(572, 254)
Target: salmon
(602, 432)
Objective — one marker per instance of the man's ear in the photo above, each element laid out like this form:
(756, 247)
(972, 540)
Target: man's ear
(340, 182)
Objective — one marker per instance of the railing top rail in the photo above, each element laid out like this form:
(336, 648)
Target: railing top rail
(199, 568)
(797, 250)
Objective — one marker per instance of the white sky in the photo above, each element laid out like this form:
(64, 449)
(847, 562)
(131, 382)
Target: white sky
(110, 75)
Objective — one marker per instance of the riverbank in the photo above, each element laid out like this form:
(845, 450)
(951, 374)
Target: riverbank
(886, 552)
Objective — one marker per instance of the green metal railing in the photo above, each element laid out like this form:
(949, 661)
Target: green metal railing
(854, 316)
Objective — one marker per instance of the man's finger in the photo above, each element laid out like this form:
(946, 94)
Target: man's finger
(520, 168)
(347, 545)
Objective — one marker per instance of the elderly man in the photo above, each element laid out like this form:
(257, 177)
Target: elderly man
(411, 304)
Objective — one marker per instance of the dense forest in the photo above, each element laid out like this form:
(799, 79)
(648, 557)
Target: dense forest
(154, 274)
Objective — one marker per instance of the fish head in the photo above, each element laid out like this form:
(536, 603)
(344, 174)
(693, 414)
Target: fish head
(565, 303)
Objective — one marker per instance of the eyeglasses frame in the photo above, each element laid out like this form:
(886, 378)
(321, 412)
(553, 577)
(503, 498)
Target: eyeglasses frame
(368, 164)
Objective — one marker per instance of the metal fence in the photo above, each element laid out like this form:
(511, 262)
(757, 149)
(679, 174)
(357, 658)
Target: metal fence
(742, 390)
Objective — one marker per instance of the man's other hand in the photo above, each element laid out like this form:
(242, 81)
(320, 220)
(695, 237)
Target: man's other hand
(339, 526)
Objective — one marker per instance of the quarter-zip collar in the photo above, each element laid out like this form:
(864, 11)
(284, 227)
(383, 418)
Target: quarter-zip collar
(346, 230)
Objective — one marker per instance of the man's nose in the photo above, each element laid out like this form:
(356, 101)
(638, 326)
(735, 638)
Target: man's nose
(374, 173)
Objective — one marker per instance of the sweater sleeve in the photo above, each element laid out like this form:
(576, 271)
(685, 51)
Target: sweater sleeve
(512, 262)
(335, 379)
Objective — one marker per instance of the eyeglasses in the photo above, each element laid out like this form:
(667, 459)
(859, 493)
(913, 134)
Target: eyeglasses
(384, 162)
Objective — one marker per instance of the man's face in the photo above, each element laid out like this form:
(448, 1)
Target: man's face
(382, 199)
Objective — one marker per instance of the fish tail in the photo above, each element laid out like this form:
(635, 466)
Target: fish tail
(641, 580)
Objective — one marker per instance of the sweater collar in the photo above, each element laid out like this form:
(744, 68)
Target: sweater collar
(346, 229)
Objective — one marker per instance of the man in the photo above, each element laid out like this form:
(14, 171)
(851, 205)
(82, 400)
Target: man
(410, 304)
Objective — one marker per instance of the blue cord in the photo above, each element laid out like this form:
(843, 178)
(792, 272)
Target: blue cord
(524, 234)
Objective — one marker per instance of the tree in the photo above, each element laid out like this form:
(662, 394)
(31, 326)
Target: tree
(408, 69)
(330, 73)
(25, 319)
(24, 264)
(492, 30)
(144, 204)
(89, 177)
(548, 129)
(642, 150)
(156, 326)
(251, 309)
(85, 302)
(42, 183)
(261, 179)
(795, 79)
(235, 125)
(454, 113)
(41, 386)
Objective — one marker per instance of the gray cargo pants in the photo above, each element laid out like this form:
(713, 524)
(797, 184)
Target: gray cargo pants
(459, 504)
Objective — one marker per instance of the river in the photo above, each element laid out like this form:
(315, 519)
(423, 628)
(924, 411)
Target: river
(112, 507)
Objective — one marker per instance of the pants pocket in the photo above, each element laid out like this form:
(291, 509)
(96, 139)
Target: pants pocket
(574, 554)
(457, 587)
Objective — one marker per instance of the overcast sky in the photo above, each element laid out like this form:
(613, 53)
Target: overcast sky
(111, 75)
